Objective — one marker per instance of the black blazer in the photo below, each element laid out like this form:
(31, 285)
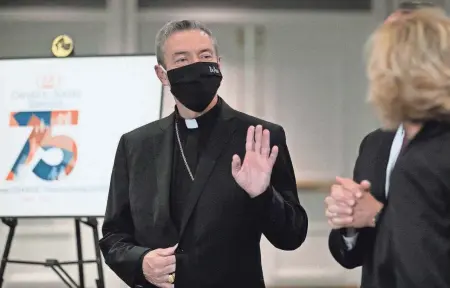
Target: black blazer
(410, 247)
(221, 229)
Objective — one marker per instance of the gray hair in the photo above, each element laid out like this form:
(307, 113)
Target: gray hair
(177, 26)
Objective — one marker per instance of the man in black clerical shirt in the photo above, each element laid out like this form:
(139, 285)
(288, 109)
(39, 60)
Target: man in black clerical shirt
(191, 194)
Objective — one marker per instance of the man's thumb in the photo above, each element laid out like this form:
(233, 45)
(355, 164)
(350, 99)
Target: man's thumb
(168, 251)
(365, 185)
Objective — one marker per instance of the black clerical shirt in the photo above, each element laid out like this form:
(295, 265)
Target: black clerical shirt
(193, 141)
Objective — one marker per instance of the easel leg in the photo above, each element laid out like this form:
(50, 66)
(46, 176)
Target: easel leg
(55, 265)
(11, 223)
(79, 252)
(94, 224)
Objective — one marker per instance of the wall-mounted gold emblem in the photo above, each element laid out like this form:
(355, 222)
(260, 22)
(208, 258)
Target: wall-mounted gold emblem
(62, 46)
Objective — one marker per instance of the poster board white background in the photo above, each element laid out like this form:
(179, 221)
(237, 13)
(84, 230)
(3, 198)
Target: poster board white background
(112, 95)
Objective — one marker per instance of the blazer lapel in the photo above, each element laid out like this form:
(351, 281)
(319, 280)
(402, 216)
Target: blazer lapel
(220, 136)
(163, 148)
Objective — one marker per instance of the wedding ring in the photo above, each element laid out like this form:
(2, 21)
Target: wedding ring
(172, 278)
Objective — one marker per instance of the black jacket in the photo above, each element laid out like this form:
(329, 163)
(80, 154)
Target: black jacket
(221, 229)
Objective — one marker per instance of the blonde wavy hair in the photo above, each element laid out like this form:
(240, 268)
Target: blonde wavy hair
(408, 68)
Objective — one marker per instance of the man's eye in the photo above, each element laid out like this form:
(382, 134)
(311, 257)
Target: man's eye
(181, 60)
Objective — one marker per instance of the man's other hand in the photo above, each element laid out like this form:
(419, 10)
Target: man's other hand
(158, 265)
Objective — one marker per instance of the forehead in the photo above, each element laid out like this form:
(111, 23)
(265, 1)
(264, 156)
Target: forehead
(396, 15)
(413, 5)
(186, 41)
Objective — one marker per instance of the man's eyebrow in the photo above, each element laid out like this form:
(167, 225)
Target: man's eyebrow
(180, 53)
(206, 50)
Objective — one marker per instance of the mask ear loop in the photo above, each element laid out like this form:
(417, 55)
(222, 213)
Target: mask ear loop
(162, 68)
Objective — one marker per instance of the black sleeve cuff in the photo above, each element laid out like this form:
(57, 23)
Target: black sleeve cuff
(264, 198)
(140, 278)
(270, 204)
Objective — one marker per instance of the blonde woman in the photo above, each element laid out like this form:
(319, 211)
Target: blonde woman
(393, 218)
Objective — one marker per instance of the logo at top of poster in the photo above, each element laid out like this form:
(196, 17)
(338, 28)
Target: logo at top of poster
(62, 46)
(48, 82)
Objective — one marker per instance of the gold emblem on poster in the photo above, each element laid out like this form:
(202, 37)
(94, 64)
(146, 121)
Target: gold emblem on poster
(62, 46)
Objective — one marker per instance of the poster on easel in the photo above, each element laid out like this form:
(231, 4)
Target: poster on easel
(60, 123)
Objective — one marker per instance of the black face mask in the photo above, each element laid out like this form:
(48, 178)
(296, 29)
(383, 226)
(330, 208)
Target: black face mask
(195, 85)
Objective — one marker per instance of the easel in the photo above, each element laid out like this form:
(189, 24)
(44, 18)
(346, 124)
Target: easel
(54, 264)
(62, 46)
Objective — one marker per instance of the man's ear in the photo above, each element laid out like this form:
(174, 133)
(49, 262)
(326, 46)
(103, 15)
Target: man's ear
(219, 59)
(162, 75)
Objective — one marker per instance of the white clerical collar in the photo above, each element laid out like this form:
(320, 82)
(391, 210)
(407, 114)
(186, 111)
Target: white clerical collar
(191, 123)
